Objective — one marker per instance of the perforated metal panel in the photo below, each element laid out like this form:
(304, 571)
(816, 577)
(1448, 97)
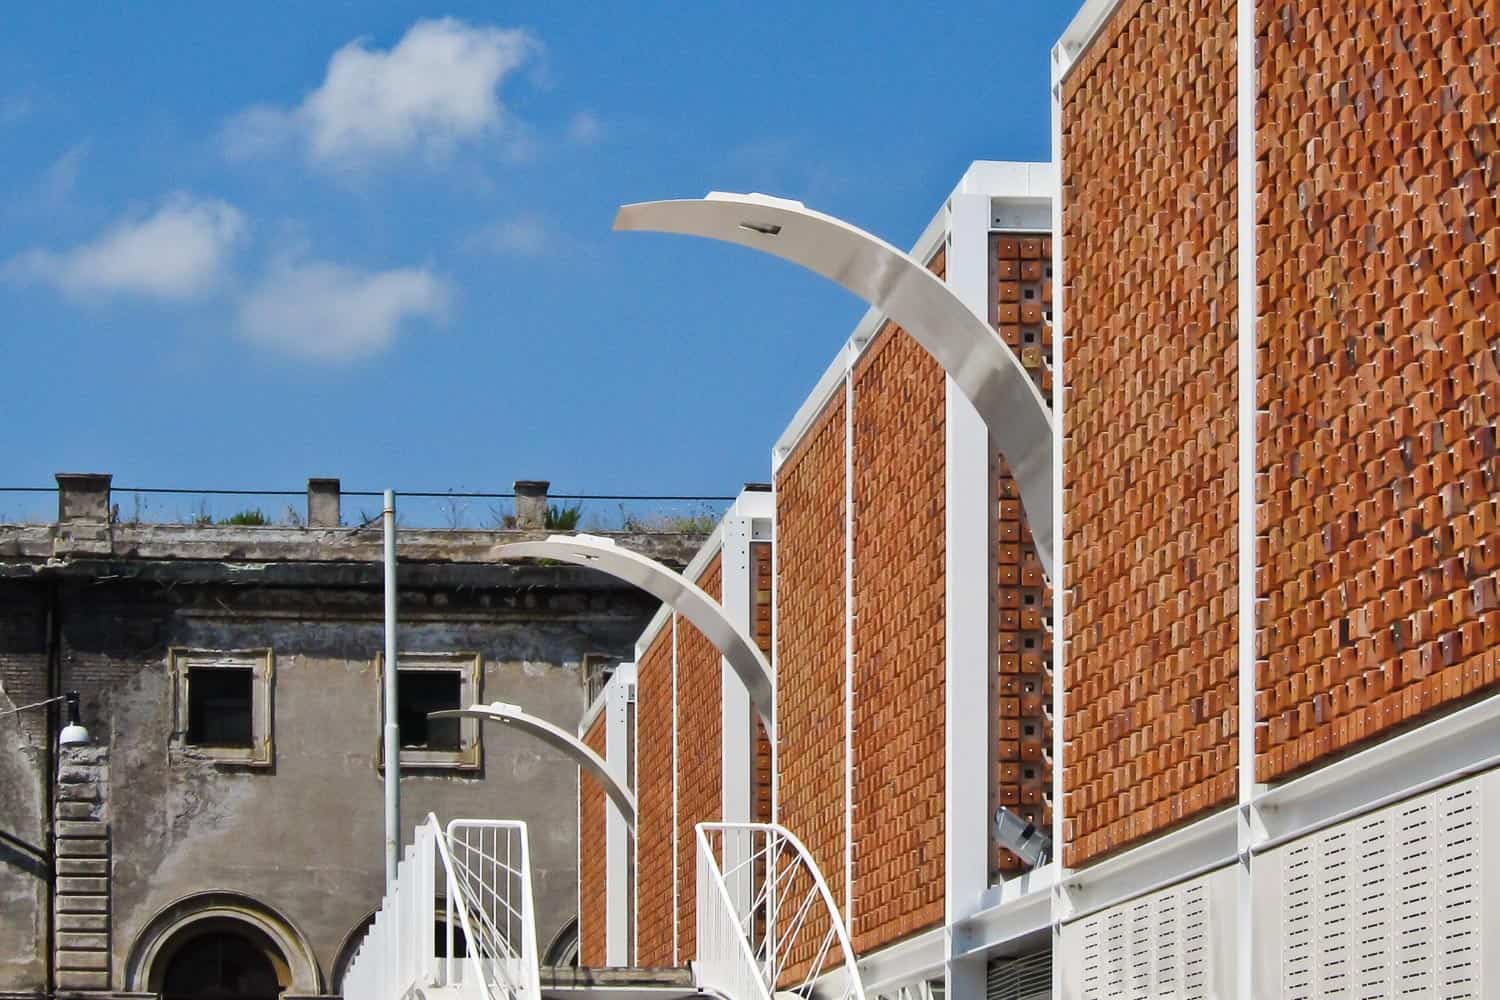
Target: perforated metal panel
(1176, 944)
(1385, 905)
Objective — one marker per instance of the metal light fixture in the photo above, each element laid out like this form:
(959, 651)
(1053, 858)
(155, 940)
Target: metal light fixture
(764, 228)
(73, 734)
(1022, 838)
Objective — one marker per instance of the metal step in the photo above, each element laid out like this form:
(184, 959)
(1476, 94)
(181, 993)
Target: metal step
(622, 983)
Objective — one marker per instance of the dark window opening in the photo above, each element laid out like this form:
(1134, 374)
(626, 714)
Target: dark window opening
(220, 966)
(440, 938)
(423, 691)
(220, 707)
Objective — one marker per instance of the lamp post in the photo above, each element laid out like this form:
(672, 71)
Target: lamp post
(74, 734)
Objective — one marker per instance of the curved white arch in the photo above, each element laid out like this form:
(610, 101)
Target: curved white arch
(985, 370)
(672, 589)
(559, 739)
(162, 930)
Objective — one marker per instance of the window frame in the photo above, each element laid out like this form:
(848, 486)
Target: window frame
(261, 663)
(470, 667)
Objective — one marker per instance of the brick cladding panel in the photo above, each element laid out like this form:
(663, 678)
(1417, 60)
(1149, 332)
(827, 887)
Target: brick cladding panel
(591, 857)
(810, 642)
(760, 585)
(1378, 381)
(899, 611)
(1149, 215)
(654, 825)
(1021, 309)
(700, 775)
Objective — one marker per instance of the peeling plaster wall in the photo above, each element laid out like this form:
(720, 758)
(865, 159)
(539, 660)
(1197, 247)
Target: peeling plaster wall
(304, 836)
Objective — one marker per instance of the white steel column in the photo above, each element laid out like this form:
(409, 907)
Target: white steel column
(1247, 831)
(737, 749)
(616, 831)
(1060, 59)
(969, 639)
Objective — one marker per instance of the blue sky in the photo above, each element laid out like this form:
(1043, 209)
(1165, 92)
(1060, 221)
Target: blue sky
(244, 245)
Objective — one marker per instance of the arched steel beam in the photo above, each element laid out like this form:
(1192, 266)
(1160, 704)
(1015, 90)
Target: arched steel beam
(672, 589)
(985, 370)
(559, 739)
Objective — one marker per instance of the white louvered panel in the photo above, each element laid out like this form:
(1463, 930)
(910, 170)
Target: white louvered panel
(1335, 915)
(1299, 916)
(1414, 923)
(1165, 945)
(1391, 904)
(1372, 909)
(1459, 891)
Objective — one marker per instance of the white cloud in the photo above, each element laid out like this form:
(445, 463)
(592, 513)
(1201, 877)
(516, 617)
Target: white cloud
(180, 251)
(585, 129)
(61, 176)
(524, 235)
(437, 87)
(322, 311)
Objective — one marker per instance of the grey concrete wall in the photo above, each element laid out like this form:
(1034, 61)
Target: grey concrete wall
(304, 837)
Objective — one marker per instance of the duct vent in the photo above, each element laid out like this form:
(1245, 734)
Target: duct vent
(1155, 946)
(1026, 978)
(1385, 905)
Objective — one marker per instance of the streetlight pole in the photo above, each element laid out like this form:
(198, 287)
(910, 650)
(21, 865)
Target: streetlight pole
(391, 732)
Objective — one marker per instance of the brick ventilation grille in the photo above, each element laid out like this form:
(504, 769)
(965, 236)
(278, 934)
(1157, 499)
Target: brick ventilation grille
(1378, 376)
(760, 596)
(700, 771)
(1150, 222)
(591, 857)
(654, 821)
(1021, 308)
(899, 605)
(810, 643)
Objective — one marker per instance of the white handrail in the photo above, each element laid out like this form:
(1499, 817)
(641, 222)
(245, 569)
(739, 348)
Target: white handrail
(398, 956)
(766, 920)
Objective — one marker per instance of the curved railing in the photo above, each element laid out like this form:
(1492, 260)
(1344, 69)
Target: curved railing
(766, 922)
(486, 881)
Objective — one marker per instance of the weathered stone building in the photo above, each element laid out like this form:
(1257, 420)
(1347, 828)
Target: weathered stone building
(223, 830)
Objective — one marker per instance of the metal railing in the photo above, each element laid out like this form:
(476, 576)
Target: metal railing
(766, 922)
(486, 895)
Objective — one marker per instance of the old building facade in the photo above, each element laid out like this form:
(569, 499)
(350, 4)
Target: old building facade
(226, 818)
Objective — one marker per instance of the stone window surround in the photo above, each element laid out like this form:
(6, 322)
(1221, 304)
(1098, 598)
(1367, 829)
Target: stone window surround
(470, 667)
(262, 664)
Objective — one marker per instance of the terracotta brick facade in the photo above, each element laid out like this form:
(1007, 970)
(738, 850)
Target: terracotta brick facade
(1378, 376)
(760, 619)
(810, 643)
(655, 826)
(1149, 215)
(700, 769)
(899, 659)
(1021, 276)
(591, 856)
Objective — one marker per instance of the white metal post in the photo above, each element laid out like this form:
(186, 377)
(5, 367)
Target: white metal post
(392, 741)
(969, 639)
(616, 831)
(1246, 831)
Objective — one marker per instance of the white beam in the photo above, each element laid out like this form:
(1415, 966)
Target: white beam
(617, 832)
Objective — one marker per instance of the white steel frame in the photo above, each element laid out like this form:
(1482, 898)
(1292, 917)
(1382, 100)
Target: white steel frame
(787, 928)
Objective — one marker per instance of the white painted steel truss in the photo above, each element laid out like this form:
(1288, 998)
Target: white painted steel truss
(767, 925)
(477, 873)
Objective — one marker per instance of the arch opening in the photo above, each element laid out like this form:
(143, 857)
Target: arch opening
(220, 959)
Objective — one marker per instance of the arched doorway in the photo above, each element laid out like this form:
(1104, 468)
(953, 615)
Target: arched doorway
(221, 946)
(222, 961)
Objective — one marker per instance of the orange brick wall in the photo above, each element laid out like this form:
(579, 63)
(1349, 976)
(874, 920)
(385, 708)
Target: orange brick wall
(1021, 308)
(760, 619)
(700, 770)
(810, 642)
(899, 661)
(1378, 378)
(1149, 212)
(655, 828)
(591, 857)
